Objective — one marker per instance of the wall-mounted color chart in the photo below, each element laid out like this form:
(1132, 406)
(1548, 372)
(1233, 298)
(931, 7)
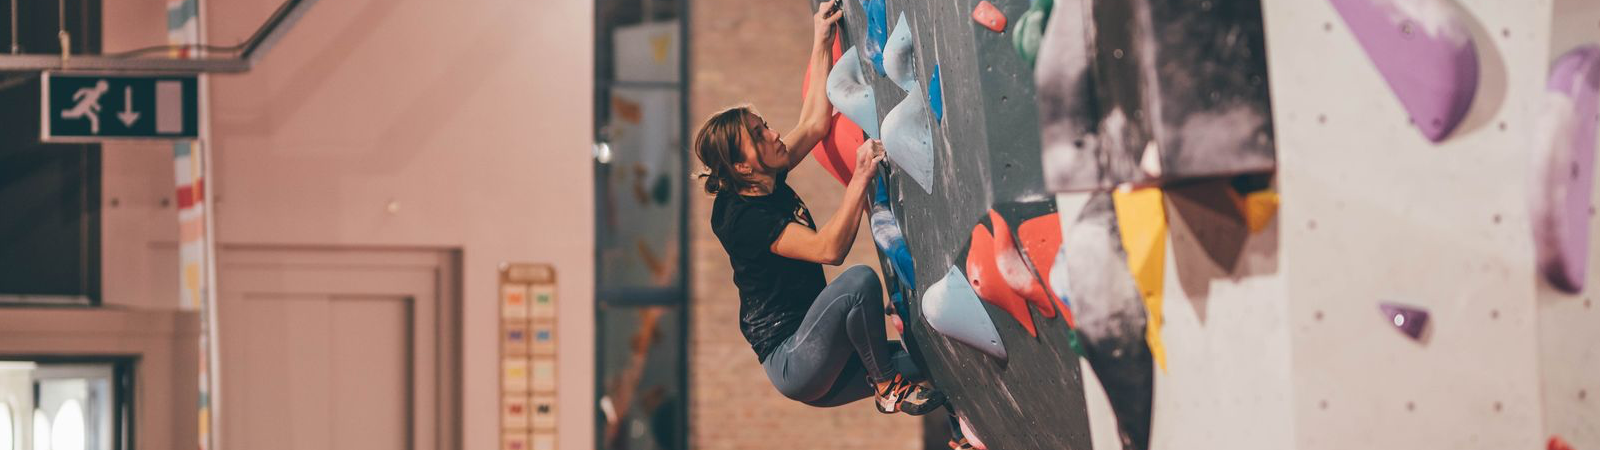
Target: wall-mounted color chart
(527, 356)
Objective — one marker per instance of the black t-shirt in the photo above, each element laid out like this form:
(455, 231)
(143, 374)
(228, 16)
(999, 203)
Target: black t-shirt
(774, 291)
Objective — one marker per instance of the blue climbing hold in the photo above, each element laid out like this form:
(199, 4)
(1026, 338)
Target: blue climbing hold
(936, 95)
(877, 32)
(887, 235)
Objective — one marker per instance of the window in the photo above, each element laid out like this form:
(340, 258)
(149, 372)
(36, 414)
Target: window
(51, 193)
(76, 403)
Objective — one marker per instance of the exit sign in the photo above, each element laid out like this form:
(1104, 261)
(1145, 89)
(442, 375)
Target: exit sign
(89, 107)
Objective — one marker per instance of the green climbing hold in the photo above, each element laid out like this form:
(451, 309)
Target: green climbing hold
(1030, 28)
(1072, 338)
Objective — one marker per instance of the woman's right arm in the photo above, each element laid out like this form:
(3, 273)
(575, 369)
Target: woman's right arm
(829, 244)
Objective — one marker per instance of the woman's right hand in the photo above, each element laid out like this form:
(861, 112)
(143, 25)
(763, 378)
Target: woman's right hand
(868, 155)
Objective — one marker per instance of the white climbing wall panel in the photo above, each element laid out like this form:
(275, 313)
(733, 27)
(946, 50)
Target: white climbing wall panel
(1291, 351)
(1569, 325)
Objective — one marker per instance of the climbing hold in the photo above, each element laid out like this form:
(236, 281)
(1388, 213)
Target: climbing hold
(851, 95)
(1564, 169)
(1068, 120)
(1410, 320)
(989, 16)
(1556, 443)
(1041, 241)
(1030, 28)
(899, 57)
(1259, 209)
(1111, 319)
(952, 308)
(908, 139)
(877, 32)
(888, 237)
(936, 95)
(989, 283)
(972, 437)
(1016, 272)
(836, 151)
(1214, 213)
(1143, 222)
(1425, 52)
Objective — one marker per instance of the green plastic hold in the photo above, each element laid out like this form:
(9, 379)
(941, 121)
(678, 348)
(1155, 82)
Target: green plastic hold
(1030, 28)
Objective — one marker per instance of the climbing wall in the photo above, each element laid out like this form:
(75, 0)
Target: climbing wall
(1377, 207)
(979, 149)
(1421, 286)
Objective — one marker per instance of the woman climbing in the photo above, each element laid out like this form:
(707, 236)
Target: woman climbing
(820, 343)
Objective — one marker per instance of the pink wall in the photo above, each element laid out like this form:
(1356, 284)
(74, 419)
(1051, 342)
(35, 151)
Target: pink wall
(472, 117)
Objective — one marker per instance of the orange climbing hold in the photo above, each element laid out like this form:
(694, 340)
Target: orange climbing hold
(989, 283)
(1016, 273)
(1041, 239)
(836, 151)
(989, 16)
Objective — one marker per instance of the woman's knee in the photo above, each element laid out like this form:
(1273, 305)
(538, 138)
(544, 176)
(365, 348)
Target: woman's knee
(861, 278)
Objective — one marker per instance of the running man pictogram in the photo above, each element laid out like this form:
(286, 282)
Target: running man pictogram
(88, 105)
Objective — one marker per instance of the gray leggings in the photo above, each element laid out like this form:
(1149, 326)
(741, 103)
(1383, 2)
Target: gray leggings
(840, 343)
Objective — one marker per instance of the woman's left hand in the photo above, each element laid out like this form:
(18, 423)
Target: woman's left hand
(823, 22)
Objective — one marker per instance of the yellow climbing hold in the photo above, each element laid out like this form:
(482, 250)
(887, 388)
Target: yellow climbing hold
(1259, 207)
(1142, 219)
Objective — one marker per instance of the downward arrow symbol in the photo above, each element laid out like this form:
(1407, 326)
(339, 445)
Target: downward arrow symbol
(127, 116)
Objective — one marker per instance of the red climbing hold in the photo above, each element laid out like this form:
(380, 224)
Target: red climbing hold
(989, 283)
(835, 152)
(1556, 443)
(989, 16)
(1016, 272)
(1041, 240)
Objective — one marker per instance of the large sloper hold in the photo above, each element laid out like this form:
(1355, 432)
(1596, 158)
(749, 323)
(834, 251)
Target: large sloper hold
(1111, 317)
(908, 138)
(851, 95)
(1068, 115)
(1182, 89)
(1142, 221)
(1425, 51)
(899, 56)
(1564, 169)
(953, 309)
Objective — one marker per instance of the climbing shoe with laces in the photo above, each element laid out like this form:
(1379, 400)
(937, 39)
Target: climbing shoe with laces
(901, 395)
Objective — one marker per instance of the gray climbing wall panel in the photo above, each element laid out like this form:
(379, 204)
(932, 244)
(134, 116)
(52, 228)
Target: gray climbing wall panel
(984, 151)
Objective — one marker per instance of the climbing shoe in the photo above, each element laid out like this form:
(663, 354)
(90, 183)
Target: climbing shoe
(899, 394)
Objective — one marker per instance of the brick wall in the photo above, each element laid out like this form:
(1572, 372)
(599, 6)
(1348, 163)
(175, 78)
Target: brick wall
(754, 51)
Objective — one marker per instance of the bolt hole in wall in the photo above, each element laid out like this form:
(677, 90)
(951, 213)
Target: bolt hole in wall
(65, 403)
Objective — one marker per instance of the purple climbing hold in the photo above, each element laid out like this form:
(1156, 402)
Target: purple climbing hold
(1408, 319)
(1425, 52)
(936, 95)
(1564, 168)
(953, 309)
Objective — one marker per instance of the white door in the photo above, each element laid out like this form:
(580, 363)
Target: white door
(333, 350)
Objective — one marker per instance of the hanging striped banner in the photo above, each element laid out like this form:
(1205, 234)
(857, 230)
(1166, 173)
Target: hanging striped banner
(183, 30)
(183, 27)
